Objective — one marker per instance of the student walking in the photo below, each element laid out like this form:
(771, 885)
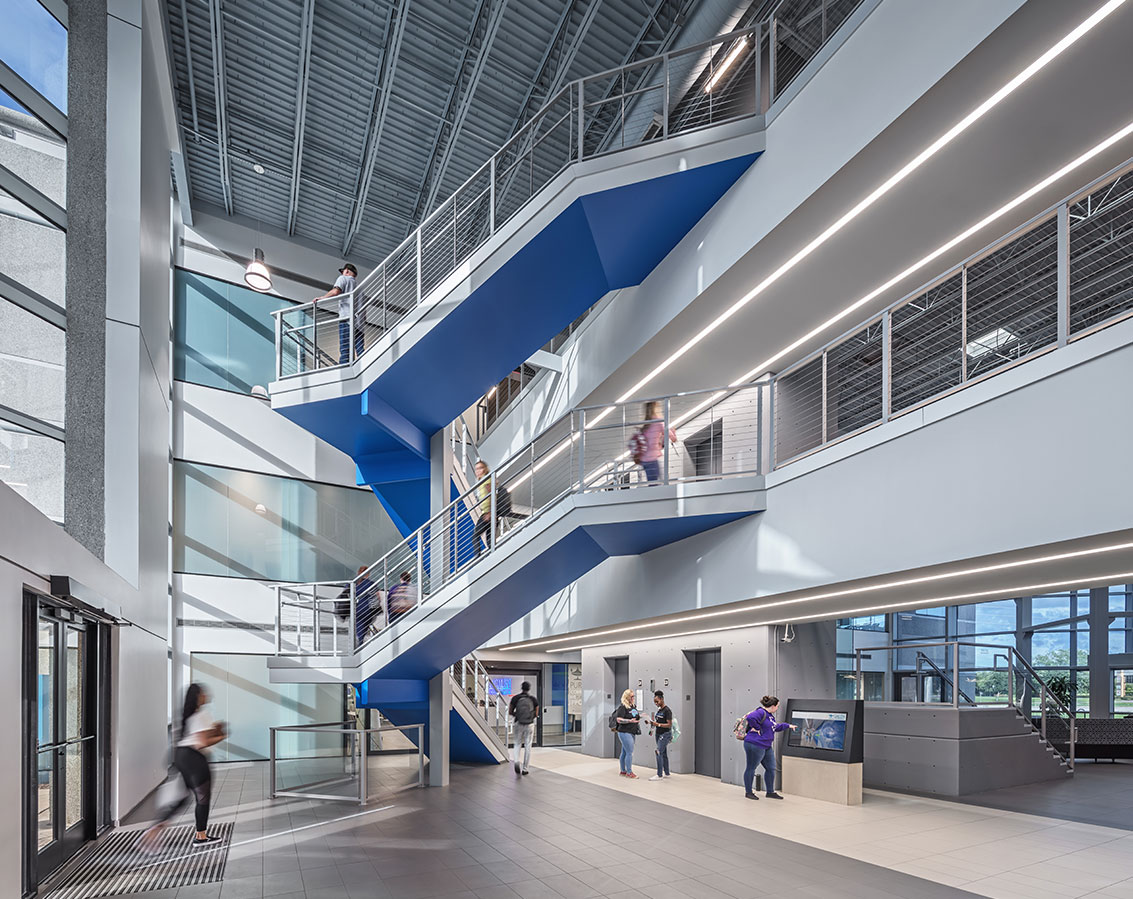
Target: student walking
(648, 444)
(198, 733)
(483, 507)
(343, 289)
(524, 709)
(627, 719)
(761, 730)
(663, 727)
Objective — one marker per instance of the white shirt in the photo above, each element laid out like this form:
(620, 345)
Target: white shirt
(199, 722)
(345, 283)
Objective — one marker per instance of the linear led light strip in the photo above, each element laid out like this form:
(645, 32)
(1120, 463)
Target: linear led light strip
(1021, 590)
(885, 187)
(834, 594)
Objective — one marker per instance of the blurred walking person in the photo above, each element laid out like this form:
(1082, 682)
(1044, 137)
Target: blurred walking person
(524, 708)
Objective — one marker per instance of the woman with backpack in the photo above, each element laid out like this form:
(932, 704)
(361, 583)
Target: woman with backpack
(759, 729)
(647, 446)
(626, 718)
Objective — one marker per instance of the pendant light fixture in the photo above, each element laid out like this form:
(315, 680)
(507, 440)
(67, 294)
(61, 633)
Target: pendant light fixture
(257, 275)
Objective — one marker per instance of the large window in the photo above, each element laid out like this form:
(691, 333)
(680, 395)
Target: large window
(33, 170)
(244, 524)
(223, 334)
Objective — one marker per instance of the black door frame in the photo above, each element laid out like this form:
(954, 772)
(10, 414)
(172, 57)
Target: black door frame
(95, 735)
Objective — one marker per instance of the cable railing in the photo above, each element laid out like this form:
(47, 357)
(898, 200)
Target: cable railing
(728, 78)
(1058, 277)
(1018, 685)
(473, 679)
(687, 437)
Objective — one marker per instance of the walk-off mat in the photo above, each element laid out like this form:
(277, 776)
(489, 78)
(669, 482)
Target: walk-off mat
(119, 867)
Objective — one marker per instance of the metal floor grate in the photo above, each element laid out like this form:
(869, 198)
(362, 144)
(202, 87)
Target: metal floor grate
(118, 867)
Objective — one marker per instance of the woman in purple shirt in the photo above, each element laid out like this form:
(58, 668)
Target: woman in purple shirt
(761, 730)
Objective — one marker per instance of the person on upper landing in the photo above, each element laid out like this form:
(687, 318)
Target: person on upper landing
(343, 289)
(758, 745)
(653, 436)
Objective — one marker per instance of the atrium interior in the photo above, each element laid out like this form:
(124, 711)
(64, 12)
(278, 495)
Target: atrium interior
(493, 449)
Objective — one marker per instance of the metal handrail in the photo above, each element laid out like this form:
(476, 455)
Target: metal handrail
(726, 102)
(360, 739)
(578, 442)
(921, 657)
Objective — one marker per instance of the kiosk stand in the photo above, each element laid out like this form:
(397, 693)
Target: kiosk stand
(822, 758)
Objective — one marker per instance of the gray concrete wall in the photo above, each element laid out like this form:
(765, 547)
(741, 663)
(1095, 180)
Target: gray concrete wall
(952, 752)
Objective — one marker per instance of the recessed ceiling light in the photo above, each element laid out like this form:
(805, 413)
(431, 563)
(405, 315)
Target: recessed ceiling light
(727, 64)
(258, 169)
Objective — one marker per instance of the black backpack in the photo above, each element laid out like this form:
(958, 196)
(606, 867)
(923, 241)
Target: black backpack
(524, 711)
(614, 719)
(503, 501)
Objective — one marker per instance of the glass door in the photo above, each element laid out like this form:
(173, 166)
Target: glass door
(65, 744)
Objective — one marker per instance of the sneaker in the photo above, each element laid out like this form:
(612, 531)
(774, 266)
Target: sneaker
(517, 768)
(631, 774)
(657, 777)
(667, 775)
(197, 841)
(750, 796)
(621, 774)
(774, 795)
(525, 771)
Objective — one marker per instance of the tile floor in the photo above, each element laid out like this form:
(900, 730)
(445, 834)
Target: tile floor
(989, 851)
(574, 829)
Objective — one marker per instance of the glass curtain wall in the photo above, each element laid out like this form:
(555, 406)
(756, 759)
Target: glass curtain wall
(33, 246)
(1051, 631)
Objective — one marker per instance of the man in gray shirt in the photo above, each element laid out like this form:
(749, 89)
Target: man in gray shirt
(344, 290)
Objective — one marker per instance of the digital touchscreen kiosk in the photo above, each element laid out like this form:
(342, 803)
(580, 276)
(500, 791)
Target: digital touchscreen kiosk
(818, 730)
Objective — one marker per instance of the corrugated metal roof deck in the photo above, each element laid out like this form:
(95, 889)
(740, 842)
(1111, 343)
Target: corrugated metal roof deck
(404, 72)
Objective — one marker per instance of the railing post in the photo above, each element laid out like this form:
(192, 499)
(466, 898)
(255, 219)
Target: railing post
(1042, 709)
(492, 195)
(665, 101)
(1011, 679)
(352, 639)
(771, 35)
(665, 438)
(963, 324)
(278, 620)
(956, 675)
(886, 365)
(492, 511)
(420, 566)
(279, 346)
(1063, 226)
(759, 429)
(271, 761)
(581, 448)
(581, 115)
(315, 335)
(1073, 738)
(771, 424)
(759, 69)
(363, 751)
(858, 691)
(418, 256)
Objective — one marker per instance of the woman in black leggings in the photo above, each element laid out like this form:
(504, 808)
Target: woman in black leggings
(198, 733)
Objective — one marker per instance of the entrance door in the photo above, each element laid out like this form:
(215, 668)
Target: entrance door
(65, 747)
(707, 687)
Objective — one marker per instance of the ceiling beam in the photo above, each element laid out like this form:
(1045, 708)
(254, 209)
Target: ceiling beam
(383, 90)
(541, 70)
(32, 100)
(307, 26)
(220, 91)
(189, 64)
(494, 20)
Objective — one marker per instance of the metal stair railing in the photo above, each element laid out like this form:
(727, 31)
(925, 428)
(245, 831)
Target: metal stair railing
(944, 678)
(703, 435)
(652, 100)
(476, 684)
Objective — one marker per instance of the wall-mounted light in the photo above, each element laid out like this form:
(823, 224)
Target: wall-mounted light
(260, 392)
(261, 509)
(256, 275)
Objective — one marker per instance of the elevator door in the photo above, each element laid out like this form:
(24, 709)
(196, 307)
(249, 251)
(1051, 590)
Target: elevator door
(621, 684)
(707, 687)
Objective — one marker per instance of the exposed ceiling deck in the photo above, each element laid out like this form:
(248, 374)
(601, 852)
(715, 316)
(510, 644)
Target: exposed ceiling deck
(367, 114)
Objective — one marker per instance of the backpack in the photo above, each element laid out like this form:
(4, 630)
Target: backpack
(675, 730)
(638, 446)
(524, 711)
(742, 726)
(613, 722)
(503, 501)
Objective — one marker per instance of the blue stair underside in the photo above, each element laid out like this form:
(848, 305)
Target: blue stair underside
(601, 242)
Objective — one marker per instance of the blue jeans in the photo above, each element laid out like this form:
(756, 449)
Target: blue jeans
(652, 470)
(755, 756)
(663, 741)
(343, 342)
(625, 759)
